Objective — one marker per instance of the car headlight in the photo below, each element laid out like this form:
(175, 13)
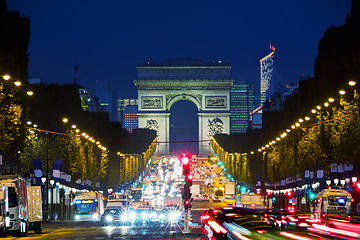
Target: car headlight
(108, 218)
(77, 217)
(144, 215)
(124, 217)
(95, 216)
(174, 216)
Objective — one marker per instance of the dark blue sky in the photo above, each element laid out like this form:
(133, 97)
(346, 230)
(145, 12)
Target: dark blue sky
(108, 38)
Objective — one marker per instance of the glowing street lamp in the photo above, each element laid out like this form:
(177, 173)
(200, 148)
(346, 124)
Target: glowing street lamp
(352, 83)
(342, 92)
(6, 77)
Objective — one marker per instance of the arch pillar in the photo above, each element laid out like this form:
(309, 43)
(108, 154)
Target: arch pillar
(160, 123)
(209, 125)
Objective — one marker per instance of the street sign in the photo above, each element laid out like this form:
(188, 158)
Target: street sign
(303, 200)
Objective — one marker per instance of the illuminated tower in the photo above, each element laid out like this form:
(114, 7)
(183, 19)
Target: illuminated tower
(266, 75)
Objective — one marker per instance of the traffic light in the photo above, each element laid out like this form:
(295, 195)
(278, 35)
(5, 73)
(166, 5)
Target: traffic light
(312, 196)
(187, 204)
(185, 160)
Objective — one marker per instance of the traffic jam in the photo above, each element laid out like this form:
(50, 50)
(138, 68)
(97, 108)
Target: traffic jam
(167, 196)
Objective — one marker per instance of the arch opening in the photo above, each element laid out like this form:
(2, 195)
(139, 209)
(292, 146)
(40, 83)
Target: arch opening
(184, 126)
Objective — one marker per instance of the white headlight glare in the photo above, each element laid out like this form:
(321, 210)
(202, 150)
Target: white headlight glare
(153, 215)
(132, 216)
(144, 215)
(162, 216)
(95, 216)
(124, 217)
(77, 217)
(109, 218)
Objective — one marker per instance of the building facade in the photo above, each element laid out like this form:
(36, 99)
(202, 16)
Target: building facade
(241, 105)
(107, 97)
(127, 110)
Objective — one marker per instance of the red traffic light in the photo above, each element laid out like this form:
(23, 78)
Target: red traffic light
(289, 194)
(190, 177)
(185, 160)
(187, 202)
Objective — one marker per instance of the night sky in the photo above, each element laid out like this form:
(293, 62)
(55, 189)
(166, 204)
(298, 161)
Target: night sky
(108, 38)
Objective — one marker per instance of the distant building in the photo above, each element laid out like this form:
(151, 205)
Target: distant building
(107, 98)
(127, 110)
(278, 99)
(89, 102)
(241, 104)
(266, 76)
(34, 80)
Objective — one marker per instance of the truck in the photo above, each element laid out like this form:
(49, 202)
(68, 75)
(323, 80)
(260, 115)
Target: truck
(117, 200)
(195, 190)
(174, 202)
(253, 201)
(89, 206)
(4, 210)
(229, 190)
(34, 208)
(20, 218)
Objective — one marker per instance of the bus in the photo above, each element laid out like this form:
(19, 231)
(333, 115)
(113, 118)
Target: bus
(332, 202)
(88, 206)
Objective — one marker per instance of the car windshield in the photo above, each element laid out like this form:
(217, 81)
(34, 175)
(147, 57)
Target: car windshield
(84, 208)
(113, 211)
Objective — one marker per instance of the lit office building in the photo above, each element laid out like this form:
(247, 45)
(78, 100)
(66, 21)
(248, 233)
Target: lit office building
(241, 104)
(127, 110)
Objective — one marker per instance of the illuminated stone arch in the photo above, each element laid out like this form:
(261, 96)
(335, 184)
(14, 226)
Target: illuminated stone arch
(207, 85)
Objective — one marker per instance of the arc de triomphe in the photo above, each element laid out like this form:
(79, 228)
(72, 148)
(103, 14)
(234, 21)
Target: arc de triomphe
(207, 85)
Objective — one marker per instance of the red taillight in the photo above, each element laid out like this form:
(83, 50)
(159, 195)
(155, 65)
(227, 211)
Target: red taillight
(261, 231)
(293, 219)
(239, 236)
(231, 214)
(217, 227)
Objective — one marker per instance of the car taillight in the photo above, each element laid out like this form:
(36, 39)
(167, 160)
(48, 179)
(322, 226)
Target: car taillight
(293, 219)
(239, 236)
(217, 227)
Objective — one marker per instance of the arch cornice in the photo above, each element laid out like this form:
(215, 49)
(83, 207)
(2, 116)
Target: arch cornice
(173, 98)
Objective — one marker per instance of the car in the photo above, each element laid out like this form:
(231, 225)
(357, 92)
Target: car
(284, 219)
(201, 197)
(112, 216)
(235, 223)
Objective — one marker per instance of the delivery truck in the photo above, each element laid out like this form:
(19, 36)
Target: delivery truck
(20, 218)
(229, 190)
(4, 210)
(34, 208)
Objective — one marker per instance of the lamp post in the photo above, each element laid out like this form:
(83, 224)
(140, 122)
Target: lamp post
(43, 180)
(52, 199)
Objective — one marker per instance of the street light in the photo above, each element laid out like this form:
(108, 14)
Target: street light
(52, 181)
(43, 180)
